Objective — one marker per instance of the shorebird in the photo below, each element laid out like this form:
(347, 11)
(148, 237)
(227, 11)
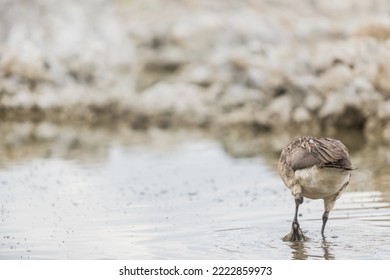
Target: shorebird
(316, 168)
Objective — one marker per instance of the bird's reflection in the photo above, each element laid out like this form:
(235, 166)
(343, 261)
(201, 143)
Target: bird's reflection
(303, 250)
(326, 247)
(298, 250)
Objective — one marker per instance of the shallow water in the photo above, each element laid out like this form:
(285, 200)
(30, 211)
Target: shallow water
(190, 200)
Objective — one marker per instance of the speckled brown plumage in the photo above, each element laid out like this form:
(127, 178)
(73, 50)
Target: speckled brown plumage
(307, 151)
(317, 168)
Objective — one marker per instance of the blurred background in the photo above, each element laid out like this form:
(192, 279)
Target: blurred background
(306, 67)
(79, 78)
(242, 72)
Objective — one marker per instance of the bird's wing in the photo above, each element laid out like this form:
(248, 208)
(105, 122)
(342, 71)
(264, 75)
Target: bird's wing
(332, 153)
(322, 152)
(302, 159)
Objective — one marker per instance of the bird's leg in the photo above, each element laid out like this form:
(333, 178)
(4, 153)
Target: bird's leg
(296, 233)
(298, 201)
(324, 220)
(328, 205)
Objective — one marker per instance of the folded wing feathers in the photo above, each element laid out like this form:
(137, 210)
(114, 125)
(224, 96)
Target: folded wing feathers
(323, 152)
(332, 154)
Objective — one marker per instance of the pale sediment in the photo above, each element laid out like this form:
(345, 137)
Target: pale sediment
(306, 67)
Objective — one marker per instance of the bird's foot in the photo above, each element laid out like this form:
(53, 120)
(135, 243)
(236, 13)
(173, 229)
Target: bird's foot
(296, 234)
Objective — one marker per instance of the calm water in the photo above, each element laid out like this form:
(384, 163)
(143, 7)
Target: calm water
(191, 200)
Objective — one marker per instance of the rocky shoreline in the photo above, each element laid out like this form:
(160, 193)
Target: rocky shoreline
(267, 66)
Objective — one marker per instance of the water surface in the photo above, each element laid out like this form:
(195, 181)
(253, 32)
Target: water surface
(187, 200)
